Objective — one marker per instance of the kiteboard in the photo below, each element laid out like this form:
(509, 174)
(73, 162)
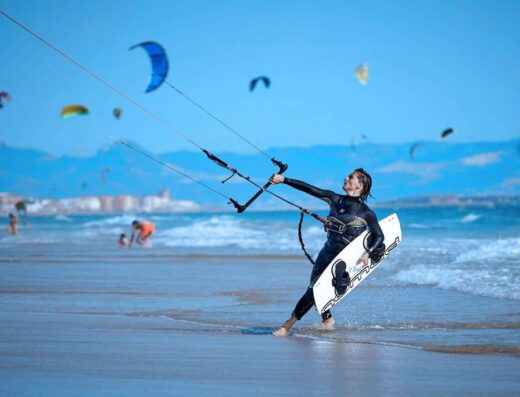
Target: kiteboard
(328, 291)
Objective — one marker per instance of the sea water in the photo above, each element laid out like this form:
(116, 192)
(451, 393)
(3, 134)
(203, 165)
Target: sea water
(453, 284)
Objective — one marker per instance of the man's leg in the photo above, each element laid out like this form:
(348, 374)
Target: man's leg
(327, 322)
(322, 261)
(307, 300)
(302, 307)
(284, 329)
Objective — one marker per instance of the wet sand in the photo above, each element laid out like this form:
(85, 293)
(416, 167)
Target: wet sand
(60, 354)
(115, 329)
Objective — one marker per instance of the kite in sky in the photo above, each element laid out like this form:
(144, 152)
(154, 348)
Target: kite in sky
(159, 63)
(362, 73)
(4, 95)
(73, 110)
(446, 132)
(355, 139)
(253, 82)
(117, 112)
(103, 173)
(413, 148)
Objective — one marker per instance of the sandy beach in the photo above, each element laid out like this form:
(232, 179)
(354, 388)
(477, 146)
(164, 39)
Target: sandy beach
(93, 354)
(141, 327)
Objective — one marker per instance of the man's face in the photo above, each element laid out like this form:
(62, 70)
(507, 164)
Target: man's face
(351, 183)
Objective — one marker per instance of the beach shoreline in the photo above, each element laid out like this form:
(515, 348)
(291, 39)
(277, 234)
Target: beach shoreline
(133, 329)
(104, 354)
(192, 314)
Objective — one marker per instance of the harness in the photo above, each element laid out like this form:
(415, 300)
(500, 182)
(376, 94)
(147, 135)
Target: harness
(334, 225)
(331, 225)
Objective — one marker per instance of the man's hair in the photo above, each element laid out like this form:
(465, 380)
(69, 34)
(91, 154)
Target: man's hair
(135, 223)
(364, 178)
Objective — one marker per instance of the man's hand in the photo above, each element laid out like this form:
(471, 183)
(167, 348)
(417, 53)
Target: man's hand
(276, 179)
(363, 260)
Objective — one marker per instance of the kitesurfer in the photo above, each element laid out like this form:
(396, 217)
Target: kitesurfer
(349, 216)
(145, 230)
(13, 224)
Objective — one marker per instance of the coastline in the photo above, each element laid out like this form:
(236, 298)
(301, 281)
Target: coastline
(429, 201)
(82, 353)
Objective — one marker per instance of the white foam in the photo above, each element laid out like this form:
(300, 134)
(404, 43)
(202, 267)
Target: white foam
(486, 267)
(471, 217)
(222, 231)
(496, 283)
(125, 220)
(492, 250)
(63, 218)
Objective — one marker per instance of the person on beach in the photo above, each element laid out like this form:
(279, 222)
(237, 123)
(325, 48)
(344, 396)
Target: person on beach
(13, 224)
(123, 241)
(145, 230)
(349, 216)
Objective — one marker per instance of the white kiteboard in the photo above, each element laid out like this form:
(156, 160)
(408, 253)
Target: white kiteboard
(326, 294)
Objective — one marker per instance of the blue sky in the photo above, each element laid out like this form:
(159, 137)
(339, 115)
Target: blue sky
(433, 65)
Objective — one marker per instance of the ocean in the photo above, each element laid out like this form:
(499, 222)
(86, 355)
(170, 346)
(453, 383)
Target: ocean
(452, 285)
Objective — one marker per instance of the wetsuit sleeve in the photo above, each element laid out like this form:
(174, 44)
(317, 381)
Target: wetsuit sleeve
(377, 234)
(325, 195)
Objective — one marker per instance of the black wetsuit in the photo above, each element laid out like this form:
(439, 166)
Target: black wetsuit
(344, 210)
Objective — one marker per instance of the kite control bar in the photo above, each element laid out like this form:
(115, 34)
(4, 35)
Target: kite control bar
(241, 208)
(282, 167)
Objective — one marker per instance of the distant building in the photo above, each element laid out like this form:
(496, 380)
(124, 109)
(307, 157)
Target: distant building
(8, 202)
(100, 204)
(7, 199)
(106, 203)
(123, 203)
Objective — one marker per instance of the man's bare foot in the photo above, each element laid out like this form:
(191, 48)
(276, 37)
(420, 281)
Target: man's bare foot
(281, 332)
(286, 327)
(328, 324)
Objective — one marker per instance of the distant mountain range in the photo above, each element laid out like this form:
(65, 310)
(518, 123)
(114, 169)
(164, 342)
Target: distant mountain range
(436, 168)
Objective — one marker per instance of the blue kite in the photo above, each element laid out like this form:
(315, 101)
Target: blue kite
(159, 63)
(264, 79)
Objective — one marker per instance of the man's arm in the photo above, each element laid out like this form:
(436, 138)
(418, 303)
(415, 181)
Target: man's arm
(377, 237)
(325, 195)
(377, 234)
(132, 237)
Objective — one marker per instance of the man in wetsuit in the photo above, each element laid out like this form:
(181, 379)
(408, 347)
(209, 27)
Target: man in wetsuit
(349, 216)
